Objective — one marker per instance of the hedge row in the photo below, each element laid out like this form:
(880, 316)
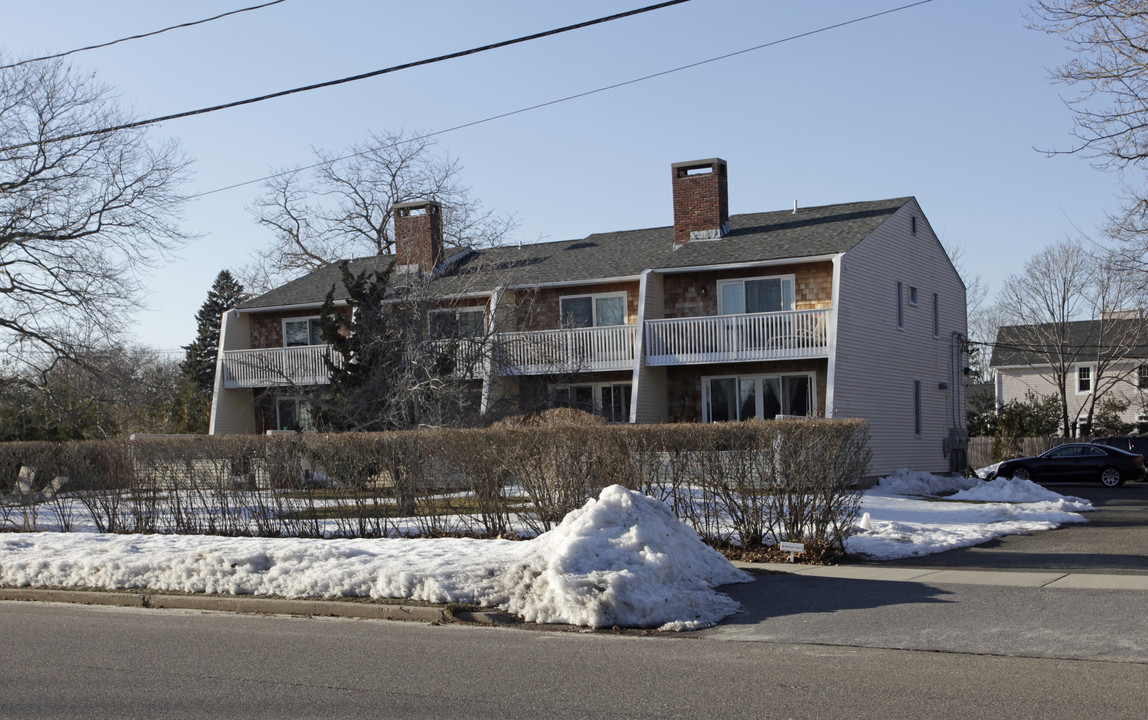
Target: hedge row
(745, 483)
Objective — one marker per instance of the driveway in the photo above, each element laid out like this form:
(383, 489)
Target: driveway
(1114, 540)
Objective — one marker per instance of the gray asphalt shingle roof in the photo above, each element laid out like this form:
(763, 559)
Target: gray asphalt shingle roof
(755, 237)
(1026, 345)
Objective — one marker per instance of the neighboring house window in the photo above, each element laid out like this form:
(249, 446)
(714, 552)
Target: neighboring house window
(294, 414)
(610, 400)
(755, 295)
(917, 408)
(900, 306)
(913, 224)
(1083, 379)
(747, 397)
(461, 322)
(298, 332)
(912, 295)
(1142, 377)
(936, 315)
(597, 310)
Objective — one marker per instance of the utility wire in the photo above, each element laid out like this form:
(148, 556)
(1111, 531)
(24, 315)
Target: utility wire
(352, 78)
(559, 100)
(142, 35)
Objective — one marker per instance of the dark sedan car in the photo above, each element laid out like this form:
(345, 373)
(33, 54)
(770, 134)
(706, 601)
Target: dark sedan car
(1077, 461)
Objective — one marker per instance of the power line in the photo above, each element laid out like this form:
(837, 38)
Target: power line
(352, 78)
(567, 98)
(142, 35)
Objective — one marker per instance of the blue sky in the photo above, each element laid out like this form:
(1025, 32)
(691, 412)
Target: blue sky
(945, 101)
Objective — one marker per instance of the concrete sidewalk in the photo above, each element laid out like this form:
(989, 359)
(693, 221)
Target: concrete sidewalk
(940, 576)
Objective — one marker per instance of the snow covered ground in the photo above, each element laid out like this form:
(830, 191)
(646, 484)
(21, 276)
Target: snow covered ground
(622, 559)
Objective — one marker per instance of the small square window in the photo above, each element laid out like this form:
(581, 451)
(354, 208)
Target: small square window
(912, 295)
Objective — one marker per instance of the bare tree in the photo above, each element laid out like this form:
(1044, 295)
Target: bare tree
(340, 207)
(983, 320)
(1110, 71)
(1071, 307)
(79, 218)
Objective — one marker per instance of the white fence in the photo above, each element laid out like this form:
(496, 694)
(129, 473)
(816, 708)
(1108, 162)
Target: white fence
(566, 351)
(271, 367)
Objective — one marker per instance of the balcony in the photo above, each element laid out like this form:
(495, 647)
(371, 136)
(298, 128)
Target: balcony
(566, 351)
(276, 367)
(789, 335)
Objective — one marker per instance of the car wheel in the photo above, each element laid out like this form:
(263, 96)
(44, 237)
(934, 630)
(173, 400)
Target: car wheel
(1021, 474)
(1110, 477)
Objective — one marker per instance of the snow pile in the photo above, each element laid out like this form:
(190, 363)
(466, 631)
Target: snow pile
(1020, 491)
(896, 523)
(914, 482)
(620, 560)
(623, 559)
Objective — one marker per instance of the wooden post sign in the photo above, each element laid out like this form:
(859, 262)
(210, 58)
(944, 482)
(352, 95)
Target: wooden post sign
(791, 548)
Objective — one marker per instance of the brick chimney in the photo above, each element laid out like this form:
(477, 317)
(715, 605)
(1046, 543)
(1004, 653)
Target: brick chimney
(701, 200)
(418, 235)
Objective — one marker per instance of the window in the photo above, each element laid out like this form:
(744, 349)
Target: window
(912, 295)
(294, 414)
(1142, 377)
(913, 224)
(757, 396)
(598, 310)
(1083, 379)
(610, 400)
(936, 315)
(299, 332)
(463, 323)
(900, 306)
(755, 295)
(917, 408)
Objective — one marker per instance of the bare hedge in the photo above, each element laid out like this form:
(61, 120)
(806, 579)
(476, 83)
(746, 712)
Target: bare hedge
(747, 484)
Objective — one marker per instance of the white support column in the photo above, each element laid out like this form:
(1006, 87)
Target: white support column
(232, 411)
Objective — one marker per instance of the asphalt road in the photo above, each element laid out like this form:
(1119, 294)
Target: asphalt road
(1114, 540)
(69, 662)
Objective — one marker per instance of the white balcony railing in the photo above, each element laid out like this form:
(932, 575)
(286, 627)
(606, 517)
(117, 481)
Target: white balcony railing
(789, 335)
(272, 367)
(566, 351)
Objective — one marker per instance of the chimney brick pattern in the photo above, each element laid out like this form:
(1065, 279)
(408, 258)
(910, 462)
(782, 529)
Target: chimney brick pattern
(418, 234)
(701, 200)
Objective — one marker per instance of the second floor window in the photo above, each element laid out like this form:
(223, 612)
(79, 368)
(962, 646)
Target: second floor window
(593, 310)
(1083, 379)
(1142, 376)
(466, 323)
(755, 295)
(299, 332)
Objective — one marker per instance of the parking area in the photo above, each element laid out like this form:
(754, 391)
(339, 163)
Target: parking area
(1114, 540)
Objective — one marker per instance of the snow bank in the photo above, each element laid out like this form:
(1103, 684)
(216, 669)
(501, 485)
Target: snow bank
(622, 559)
(1020, 491)
(915, 482)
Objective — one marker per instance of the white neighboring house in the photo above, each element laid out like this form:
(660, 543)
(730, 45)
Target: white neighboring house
(1102, 359)
(841, 311)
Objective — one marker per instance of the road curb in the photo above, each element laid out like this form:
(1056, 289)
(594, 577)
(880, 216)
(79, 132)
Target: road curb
(259, 605)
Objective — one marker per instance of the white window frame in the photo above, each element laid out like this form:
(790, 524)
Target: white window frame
(596, 394)
(456, 312)
(594, 298)
(900, 305)
(1091, 371)
(759, 396)
(789, 279)
(1142, 376)
(307, 318)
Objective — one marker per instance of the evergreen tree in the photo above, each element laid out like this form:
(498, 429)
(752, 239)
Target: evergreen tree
(387, 372)
(198, 366)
